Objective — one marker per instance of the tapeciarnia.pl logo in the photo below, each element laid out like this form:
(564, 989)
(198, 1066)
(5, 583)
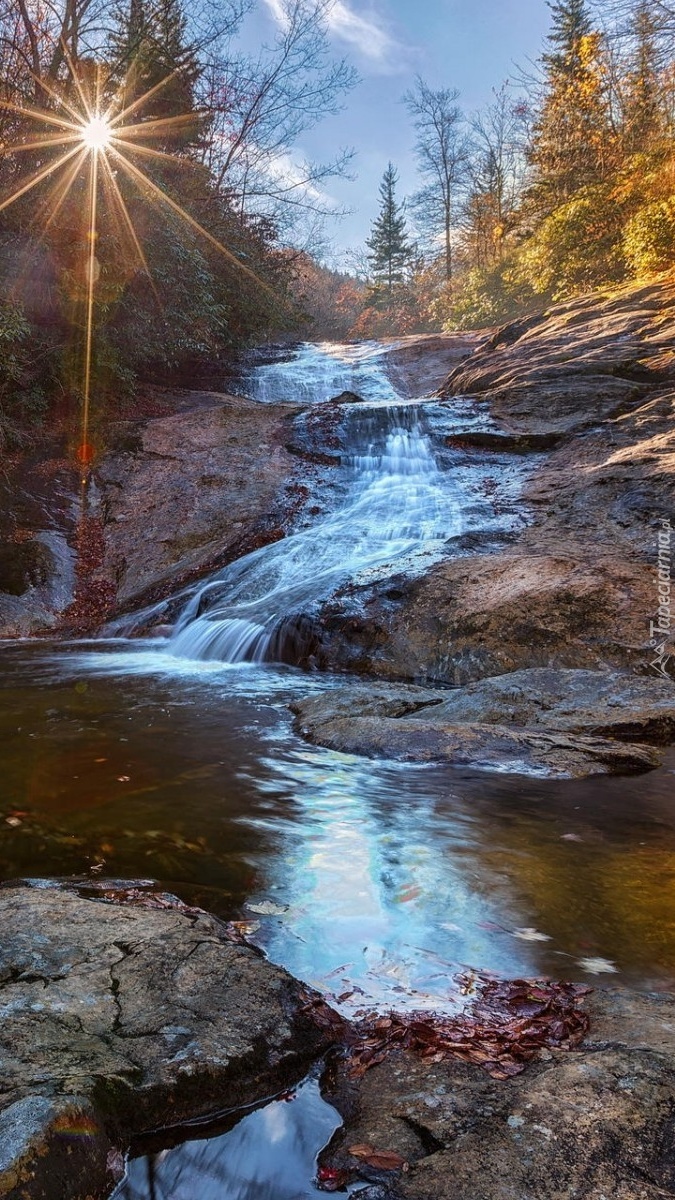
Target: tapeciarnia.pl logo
(659, 629)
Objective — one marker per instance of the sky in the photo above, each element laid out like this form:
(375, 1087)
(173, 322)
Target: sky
(471, 45)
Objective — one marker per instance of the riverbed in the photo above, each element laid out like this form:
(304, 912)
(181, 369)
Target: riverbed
(377, 882)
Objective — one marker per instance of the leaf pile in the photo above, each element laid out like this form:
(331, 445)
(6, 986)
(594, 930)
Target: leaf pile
(503, 1029)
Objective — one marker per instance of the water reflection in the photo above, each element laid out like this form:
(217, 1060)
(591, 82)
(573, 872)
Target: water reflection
(270, 1155)
(381, 877)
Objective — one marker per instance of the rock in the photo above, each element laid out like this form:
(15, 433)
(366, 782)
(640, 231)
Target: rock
(490, 747)
(418, 365)
(201, 502)
(592, 383)
(347, 398)
(576, 363)
(118, 1019)
(585, 1124)
(566, 723)
(487, 614)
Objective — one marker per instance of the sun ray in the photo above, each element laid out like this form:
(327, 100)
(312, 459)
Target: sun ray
(44, 143)
(156, 127)
(91, 280)
(38, 178)
(53, 206)
(122, 208)
(150, 152)
(78, 84)
(146, 182)
(39, 115)
(136, 104)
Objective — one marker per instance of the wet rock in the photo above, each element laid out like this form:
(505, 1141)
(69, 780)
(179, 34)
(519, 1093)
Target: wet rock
(347, 398)
(119, 1019)
(206, 485)
(487, 614)
(418, 365)
(566, 723)
(491, 747)
(585, 1124)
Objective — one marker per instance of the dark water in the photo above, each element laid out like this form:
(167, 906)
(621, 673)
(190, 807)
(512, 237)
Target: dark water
(119, 760)
(230, 1165)
(376, 879)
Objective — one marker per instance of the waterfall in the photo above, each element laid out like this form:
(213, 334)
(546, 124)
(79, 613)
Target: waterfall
(396, 515)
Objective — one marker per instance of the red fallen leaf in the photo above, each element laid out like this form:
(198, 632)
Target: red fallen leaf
(331, 1179)
(381, 1160)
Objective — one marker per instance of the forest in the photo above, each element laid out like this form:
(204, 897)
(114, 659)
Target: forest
(564, 182)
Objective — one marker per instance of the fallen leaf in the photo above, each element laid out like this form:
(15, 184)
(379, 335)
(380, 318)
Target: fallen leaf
(123, 778)
(332, 1179)
(381, 1160)
(13, 821)
(597, 966)
(267, 908)
(570, 837)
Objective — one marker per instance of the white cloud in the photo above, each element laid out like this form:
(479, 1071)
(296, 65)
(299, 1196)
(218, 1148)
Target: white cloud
(365, 34)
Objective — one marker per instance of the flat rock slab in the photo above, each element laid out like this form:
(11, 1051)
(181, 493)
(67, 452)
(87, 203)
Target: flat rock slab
(565, 723)
(588, 1124)
(115, 1020)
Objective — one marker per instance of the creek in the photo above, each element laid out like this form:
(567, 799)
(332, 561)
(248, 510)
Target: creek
(377, 881)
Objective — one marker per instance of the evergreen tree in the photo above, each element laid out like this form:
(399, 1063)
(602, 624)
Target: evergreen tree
(643, 115)
(572, 141)
(149, 47)
(390, 250)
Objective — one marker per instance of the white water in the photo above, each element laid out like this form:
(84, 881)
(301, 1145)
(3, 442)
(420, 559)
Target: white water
(398, 513)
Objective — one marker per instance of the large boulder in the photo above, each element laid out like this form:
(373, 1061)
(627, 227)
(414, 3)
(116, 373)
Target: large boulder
(562, 723)
(117, 1019)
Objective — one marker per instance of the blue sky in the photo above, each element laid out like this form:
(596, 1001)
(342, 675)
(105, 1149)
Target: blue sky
(473, 45)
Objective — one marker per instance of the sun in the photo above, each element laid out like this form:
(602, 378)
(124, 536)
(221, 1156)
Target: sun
(96, 146)
(97, 134)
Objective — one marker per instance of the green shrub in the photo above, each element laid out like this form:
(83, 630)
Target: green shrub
(649, 238)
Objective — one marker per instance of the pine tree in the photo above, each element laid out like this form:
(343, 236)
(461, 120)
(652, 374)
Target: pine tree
(390, 250)
(148, 47)
(643, 115)
(572, 141)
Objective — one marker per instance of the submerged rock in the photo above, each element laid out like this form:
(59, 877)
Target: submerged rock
(119, 1019)
(563, 723)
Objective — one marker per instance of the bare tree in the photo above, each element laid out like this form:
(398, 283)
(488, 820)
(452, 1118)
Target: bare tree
(497, 169)
(442, 149)
(259, 109)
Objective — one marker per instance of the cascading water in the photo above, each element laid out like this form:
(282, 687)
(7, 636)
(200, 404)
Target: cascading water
(397, 513)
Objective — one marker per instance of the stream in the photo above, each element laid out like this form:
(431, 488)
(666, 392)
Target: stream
(176, 760)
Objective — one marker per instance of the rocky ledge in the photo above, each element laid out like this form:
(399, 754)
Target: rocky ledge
(588, 1124)
(561, 723)
(119, 1018)
(589, 386)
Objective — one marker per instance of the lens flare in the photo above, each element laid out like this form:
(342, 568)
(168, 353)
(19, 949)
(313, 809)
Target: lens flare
(98, 140)
(97, 134)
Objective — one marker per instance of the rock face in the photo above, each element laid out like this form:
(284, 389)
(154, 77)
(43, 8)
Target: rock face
(175, 495)
(419, 365)
(210, 485)
(563, 723)
(595, 380)
(581, 1125)
(119, 1019)
(38, 522)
